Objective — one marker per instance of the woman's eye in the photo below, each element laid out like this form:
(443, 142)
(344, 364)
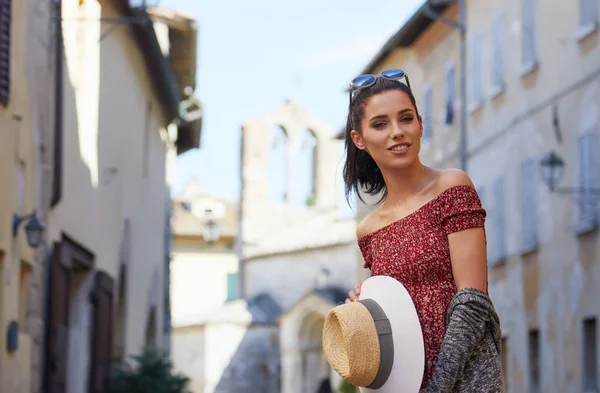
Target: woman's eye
(407, 119)
(379, 125)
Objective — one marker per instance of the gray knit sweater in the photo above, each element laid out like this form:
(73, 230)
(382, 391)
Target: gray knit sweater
(470, 355)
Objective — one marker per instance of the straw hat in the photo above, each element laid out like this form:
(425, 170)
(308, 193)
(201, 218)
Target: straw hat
(376, 343)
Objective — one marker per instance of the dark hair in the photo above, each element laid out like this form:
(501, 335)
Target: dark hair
(360, 170)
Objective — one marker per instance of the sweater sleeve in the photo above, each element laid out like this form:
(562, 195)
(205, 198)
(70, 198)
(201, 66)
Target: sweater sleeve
(465, 330)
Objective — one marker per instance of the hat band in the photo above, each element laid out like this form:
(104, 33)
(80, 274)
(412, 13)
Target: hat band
(386, 342)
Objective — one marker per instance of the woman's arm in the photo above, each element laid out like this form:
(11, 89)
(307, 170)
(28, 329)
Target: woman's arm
(467, 247)
(467, 323)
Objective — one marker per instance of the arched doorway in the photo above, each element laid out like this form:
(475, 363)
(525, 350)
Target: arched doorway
(314, 366)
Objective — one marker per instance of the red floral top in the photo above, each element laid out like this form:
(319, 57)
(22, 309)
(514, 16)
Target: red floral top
(415, 251)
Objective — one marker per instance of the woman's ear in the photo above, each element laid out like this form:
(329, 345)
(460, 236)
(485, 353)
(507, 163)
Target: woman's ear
(421, 123)
(357, 139)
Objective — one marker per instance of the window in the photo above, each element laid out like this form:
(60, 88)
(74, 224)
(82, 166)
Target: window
(498, 51)
(590, 355)
(528, 33)
(588, 178)
(232, 282)
(278, 166)
(529, 234)
(24, 279)
(588, 13)
(305, 169)
(505, 357)
(499, 220)
(427, 113)
(5, 29)
(534, 361)
(476, 74)
(450, 91)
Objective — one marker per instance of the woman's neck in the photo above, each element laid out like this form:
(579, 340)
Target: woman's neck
(405, 183)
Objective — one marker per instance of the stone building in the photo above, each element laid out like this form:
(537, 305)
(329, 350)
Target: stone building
(295, 243)
(533, 74)
(204, 270)
(26, 81)
(124, 107)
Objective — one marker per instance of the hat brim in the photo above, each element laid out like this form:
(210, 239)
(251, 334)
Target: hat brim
(409, 351)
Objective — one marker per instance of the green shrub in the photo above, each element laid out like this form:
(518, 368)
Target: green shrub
(347, 387)
(151, 372)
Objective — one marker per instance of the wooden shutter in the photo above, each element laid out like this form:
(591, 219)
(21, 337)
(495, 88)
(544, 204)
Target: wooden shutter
(449, 118)
(588, 178)
(528, 32)
(5, 27)
(499, 220)
(498, 63)
(57, 333)
(102, 301)
(428, 113)
(588, 13)
(529, 235)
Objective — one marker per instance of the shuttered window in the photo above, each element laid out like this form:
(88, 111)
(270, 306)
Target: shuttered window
(450, 92)
(232, 284)
(528, 32)
(529, 203)
(5, 27)
(102, 299)
(498, 50)
(499, 220)
(476, 70)
(588, 12)
(427, 113)
(588, 179)
(57, 323)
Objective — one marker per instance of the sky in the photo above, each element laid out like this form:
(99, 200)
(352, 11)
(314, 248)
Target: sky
(253, 56)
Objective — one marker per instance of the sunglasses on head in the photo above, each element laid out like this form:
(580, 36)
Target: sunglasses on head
(368, 80)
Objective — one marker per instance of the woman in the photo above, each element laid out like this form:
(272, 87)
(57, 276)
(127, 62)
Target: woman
(428, 233)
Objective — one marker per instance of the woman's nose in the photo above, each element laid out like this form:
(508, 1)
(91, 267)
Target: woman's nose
(397, 131)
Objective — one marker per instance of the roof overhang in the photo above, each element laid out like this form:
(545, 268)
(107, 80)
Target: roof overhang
(185, 113)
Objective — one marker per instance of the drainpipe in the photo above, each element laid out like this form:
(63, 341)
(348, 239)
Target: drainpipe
(462, 28)
(240, 238)
(58, 105)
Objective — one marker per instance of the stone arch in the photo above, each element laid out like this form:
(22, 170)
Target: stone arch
(277, 165)
(304, 366)
(314, 366)
(305, 167)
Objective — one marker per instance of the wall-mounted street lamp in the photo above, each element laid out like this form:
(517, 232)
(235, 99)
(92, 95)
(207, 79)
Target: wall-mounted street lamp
(33, 229)
(212, 230)
(553, 169)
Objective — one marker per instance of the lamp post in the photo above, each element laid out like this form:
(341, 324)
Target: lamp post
(33, 229)
(461, 26)
(552, 167)
(212, 232)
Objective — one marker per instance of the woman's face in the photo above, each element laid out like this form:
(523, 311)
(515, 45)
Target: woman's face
(391, 130)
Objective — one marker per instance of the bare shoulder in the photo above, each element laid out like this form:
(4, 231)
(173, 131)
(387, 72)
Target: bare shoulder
(367, 225)
(449, 178)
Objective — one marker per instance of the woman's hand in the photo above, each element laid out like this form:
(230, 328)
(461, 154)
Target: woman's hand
(354, 294)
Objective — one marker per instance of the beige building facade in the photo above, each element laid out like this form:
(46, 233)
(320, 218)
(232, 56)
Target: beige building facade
(533, 74)
(204, 269)
(25, 104)
(92, 120)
